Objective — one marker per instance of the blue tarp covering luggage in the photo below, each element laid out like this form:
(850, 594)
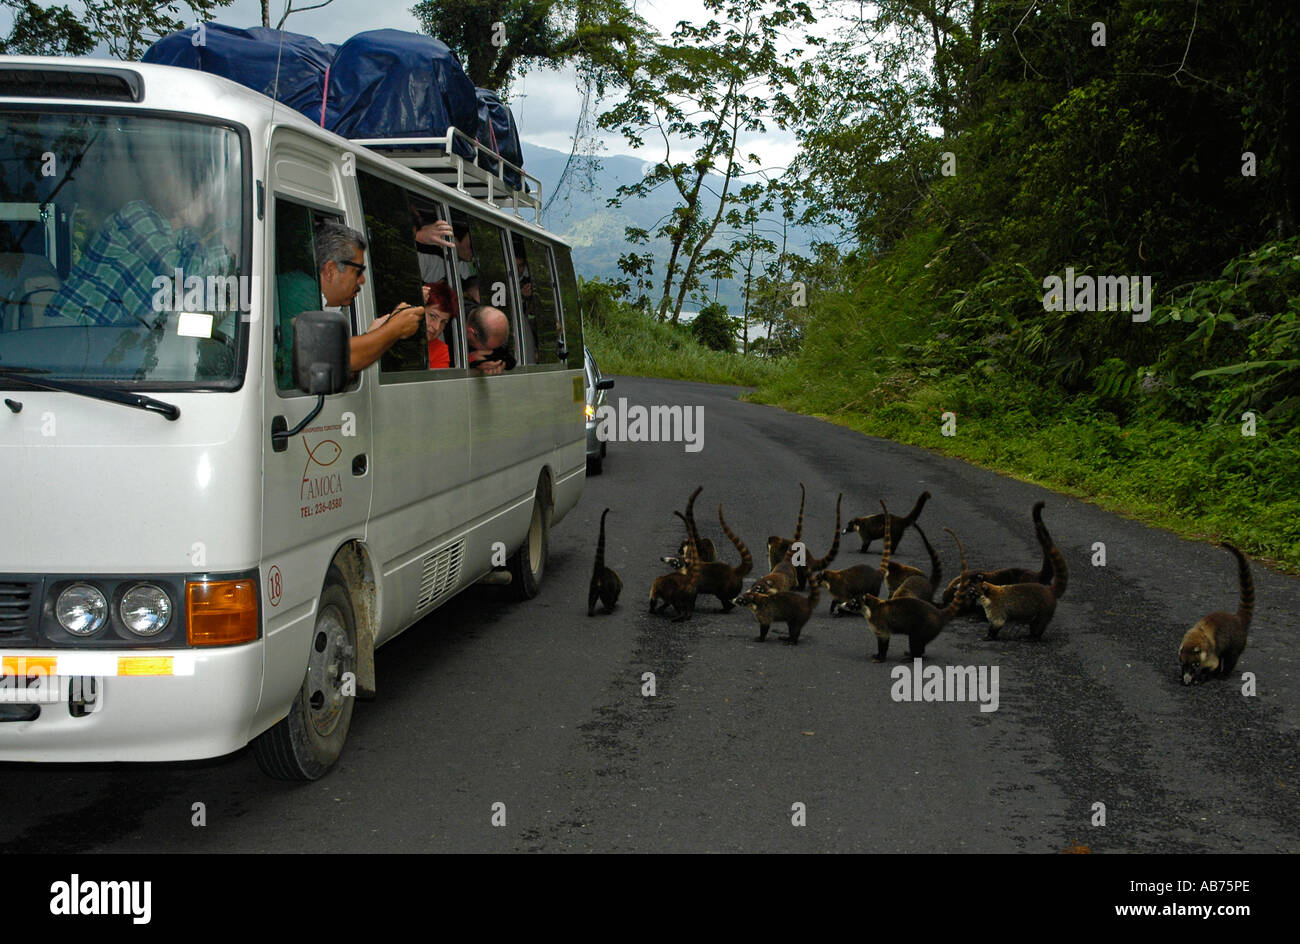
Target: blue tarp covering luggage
(249, 57)
(391, 84)
(379, 84)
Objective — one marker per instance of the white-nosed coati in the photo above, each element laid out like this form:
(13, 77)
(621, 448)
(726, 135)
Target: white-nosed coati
(781, 577)
(676, 589)
(785, 606)
(715, 578)
(1006, 575)
(606, 585)
(914, 618)
(778, 547)
(914, 583)
(809, 565)
(844, 585)
(1211, 648)
(872, 527)
(1030, 603)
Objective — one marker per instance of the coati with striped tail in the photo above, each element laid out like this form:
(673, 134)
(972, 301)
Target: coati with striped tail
(912, 617)
(914, 583)
(844, 585)
(715, 578)
(1210, 649)
(785, 606)
(1030, 603)
(778, 547)
(606, 585)
(1006, 575)
(872, 527)
(676, 589)
(810, 564)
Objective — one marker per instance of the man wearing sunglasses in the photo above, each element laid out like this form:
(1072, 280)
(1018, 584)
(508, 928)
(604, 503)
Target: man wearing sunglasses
(340, 251)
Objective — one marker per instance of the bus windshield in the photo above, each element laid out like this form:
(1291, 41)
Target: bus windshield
(121, 251)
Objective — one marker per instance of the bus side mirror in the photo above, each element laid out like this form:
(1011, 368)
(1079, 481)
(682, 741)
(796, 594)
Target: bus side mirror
(322, 352)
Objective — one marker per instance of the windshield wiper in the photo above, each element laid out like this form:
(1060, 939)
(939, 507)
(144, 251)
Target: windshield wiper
(137, 400)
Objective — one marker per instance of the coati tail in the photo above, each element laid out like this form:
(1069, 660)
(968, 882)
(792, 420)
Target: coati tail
(1246, 608)
(1045, 572)
(600, 543)
(935, 567)
(1060, 575)
(916, 509)
(821, 562)
(798, 525)
(746, 561)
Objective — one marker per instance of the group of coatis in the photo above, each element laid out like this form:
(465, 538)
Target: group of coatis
(906, 607)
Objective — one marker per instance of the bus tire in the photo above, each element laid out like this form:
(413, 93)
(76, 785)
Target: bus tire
(307, 742)
(528, 564)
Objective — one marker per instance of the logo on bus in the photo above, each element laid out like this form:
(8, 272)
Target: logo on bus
(321, 484)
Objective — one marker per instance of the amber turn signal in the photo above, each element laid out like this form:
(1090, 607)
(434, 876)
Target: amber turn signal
(221, 612)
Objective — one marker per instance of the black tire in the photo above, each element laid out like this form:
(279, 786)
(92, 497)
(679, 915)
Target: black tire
(307, 742)
(595, 466)
(528, 564)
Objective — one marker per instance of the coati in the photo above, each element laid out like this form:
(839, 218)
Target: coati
(1211, 647)
(844, 585)
(1030, 603)
(675, 589)
(715, 578)
(785, 606)
(872, 527)
(810, 564)
(913, 582)
(1007, 575)
(914, 618)
(781, 577)
(777, 547)
(606, 585)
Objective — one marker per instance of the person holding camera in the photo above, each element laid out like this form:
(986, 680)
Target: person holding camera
(487, 330)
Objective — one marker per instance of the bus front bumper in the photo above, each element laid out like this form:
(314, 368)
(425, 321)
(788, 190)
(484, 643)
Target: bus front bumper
(127, 705)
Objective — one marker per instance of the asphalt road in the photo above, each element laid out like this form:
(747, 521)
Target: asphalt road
(540, 708)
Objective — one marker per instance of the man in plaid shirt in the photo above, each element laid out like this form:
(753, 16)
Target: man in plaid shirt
(113, 283)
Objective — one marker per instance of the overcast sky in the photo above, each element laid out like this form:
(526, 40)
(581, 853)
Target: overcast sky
(545, 103)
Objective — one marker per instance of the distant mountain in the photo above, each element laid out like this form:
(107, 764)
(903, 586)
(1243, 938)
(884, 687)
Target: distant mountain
(581, 215)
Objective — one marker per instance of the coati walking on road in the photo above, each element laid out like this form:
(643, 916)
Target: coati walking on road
(872, 527)
(1006, 575)
(606, 585)
(1211, 647)
(677, 589)
(844, 585)
(715, 578)
(1030, 603)
(780, 549)
(785, 606)
(914, 618)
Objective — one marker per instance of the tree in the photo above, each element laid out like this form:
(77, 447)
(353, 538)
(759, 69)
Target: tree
(289, 9)
(497, 40)
(712, 328)
(45, 32)
(705, 87)
(127, 27)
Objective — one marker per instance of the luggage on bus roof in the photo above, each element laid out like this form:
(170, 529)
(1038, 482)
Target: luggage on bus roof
(249, 57)
(392, 84)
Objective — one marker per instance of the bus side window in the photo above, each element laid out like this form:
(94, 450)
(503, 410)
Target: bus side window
(491, 282)
(537, 286)
(394, 273)
(297, 282)
(441, 301)
(572, 313)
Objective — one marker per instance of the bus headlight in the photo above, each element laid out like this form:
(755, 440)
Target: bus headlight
(81, 609)
(145, 609)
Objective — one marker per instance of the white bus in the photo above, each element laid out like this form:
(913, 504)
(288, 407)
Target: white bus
(185, 567)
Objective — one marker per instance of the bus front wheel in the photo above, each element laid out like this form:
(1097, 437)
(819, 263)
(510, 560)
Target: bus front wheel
(308, 741)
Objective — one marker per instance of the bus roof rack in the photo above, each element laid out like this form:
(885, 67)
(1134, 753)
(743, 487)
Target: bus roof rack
(437, 158)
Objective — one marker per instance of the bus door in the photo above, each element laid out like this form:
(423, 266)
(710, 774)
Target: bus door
(317, 484)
